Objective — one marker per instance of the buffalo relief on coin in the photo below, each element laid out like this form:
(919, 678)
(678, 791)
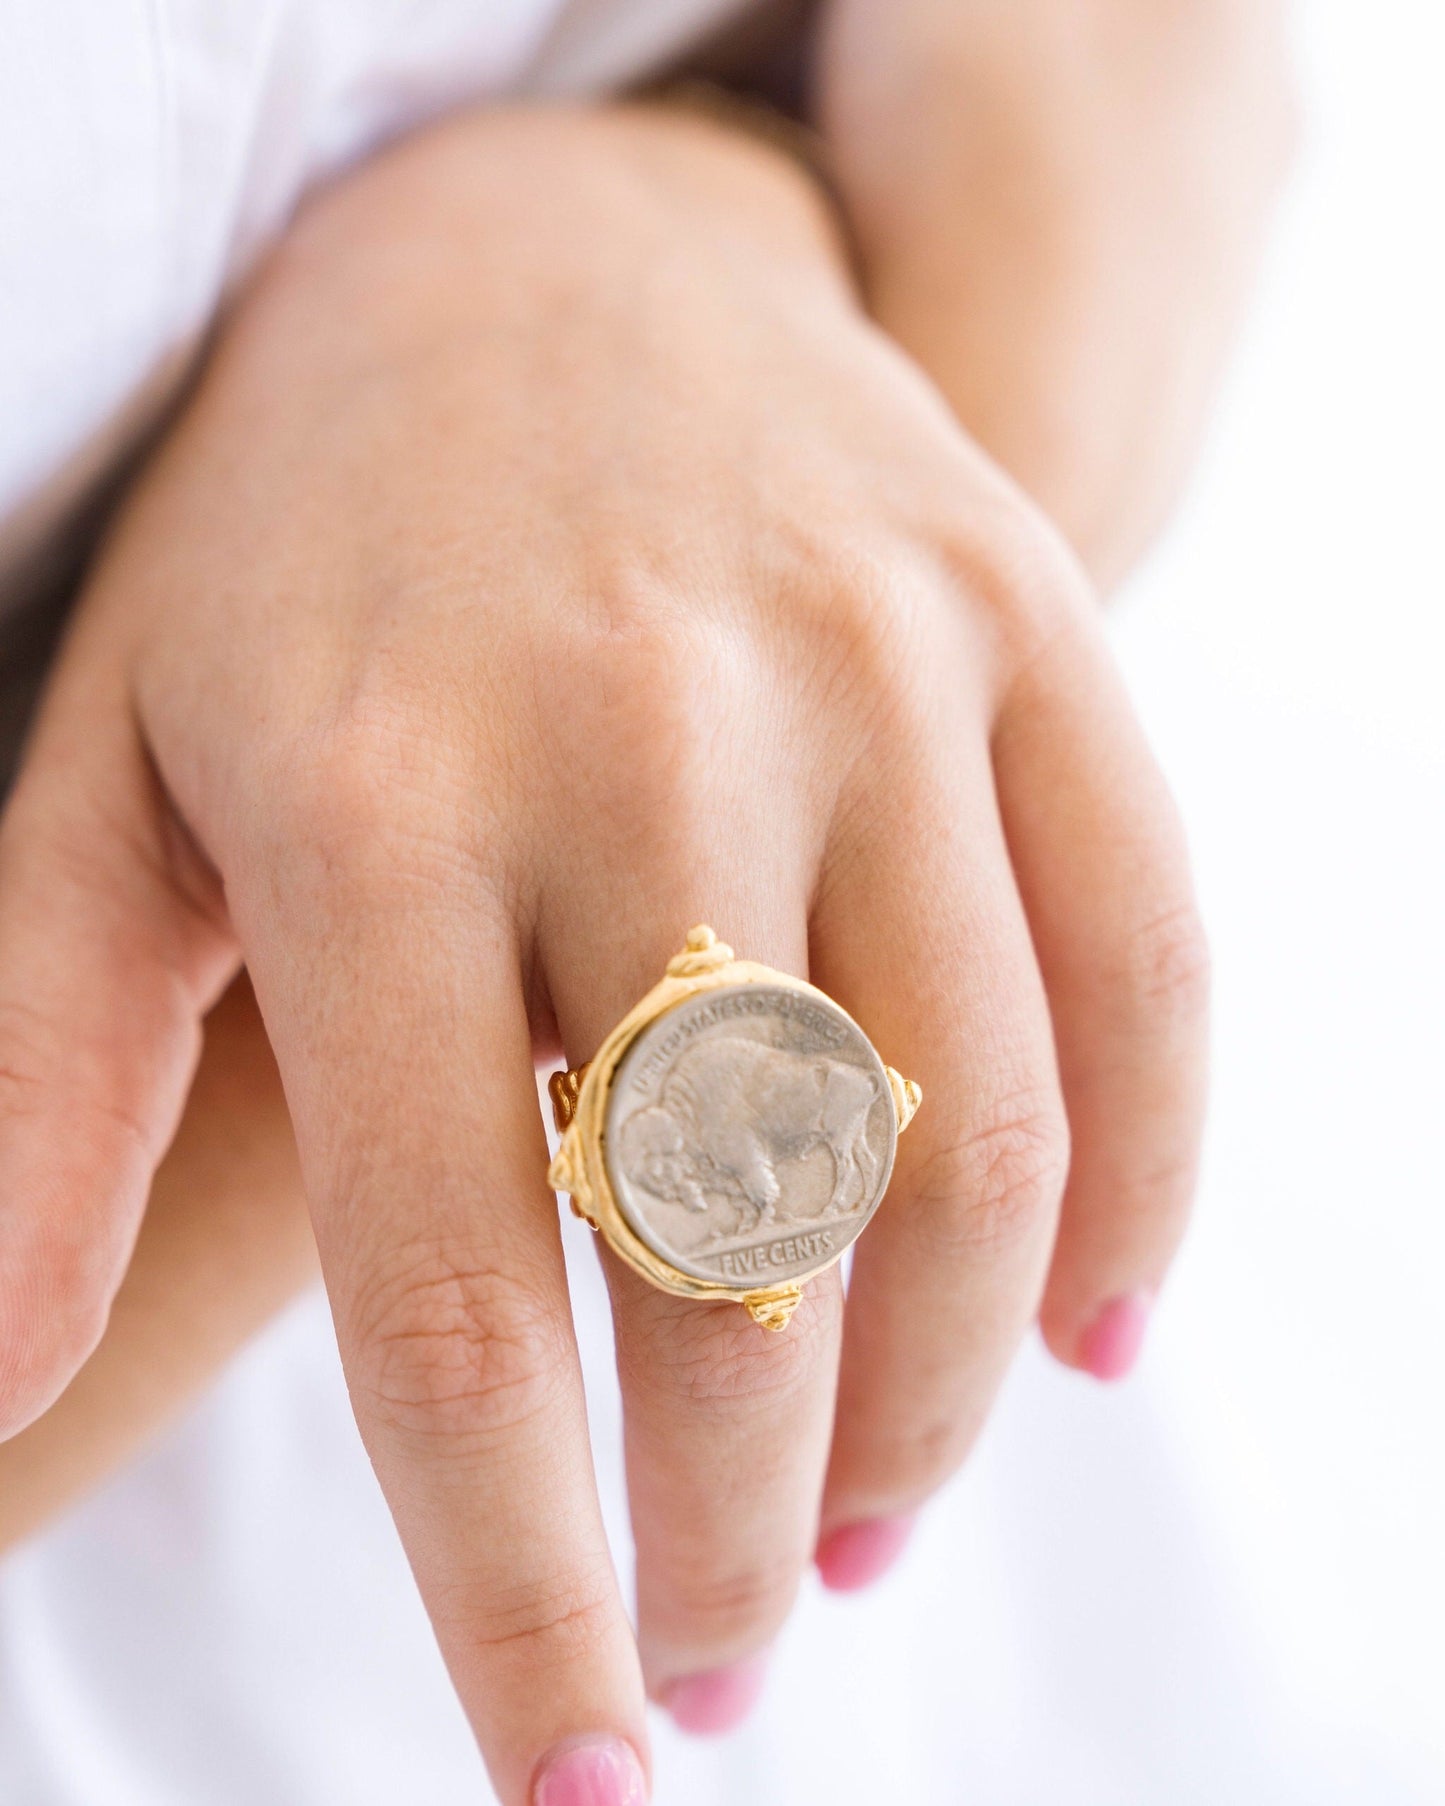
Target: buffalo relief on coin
(750, 1134)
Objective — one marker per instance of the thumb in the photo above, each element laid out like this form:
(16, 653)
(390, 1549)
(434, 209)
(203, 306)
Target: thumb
(113, 943)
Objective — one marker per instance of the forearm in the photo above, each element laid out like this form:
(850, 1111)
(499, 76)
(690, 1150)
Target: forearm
(477, 223)
(1057, 208)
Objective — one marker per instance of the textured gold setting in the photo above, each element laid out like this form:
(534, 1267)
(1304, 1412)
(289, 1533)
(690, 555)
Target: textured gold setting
(579, 1108)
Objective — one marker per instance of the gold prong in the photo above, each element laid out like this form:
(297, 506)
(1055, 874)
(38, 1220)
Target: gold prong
(774, 1308)
(568, 1172)
(559, 1173)
(703, 953)
(907, 1096)
(563, 1088)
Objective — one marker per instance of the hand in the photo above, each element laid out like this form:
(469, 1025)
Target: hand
(225, 1245)
(554, 556)
(1058, 208)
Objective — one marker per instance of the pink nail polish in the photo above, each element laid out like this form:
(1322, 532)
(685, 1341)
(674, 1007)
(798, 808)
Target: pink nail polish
(709, 1704)
(858, 1554)
(592, 1771)
(1110, 1345)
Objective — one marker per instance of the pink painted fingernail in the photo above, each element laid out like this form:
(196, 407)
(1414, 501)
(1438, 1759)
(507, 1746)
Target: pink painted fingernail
(709, 1704)
(592, 1771)
(1110, 1345)
(857, 1554)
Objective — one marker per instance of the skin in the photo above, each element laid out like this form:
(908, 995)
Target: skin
(225, 1244)
(828, 600)
(1059, 209)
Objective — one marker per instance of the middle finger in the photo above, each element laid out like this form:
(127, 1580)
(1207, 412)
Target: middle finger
(727, 1424)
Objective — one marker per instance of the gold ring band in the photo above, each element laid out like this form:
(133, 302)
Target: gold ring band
(733, 1134)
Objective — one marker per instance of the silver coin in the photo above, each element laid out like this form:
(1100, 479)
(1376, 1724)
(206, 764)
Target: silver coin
(750, 1133)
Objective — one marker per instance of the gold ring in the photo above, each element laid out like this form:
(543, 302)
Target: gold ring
(733, 1134)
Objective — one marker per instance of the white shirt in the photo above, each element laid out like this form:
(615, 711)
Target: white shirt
(148, 148)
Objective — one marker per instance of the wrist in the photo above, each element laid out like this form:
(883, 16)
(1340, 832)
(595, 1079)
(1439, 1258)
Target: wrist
(551, 201)
(1060, 224)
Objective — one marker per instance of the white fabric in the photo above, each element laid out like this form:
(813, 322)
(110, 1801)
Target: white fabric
(1218, 1586)
(147, 147)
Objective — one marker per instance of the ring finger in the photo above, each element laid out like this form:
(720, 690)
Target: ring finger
(727, 1425)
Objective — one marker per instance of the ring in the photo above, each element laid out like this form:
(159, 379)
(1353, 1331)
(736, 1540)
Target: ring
(734, 1133)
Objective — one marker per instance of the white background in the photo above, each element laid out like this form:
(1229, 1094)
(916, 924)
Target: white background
(1221, 1584)
(1225, 1583)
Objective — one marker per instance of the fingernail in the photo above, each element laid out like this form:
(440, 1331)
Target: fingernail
(709, 1704)
(1110, 1345)
(595, 1771)
(856, 1555)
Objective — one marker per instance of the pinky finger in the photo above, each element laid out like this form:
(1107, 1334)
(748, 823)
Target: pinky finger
(1101, 864)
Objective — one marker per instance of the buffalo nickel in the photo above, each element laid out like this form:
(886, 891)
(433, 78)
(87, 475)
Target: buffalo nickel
(749, 1134)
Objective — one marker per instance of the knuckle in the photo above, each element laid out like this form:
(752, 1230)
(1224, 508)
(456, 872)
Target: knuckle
(341, 774)
(1165, 970)
(712, 1357)
(91, 1085)
(64, 1263)
(49, 1328)
(655, 677)
(373, 791)
(1152, 1202)
(904, 1465)
(934, 1451)
(454, 1353)
(541, 1624)
(863, 621)
(718, 1605)
(636, 640)
(32, 1056)
(1017, 578)
(986, 1191)
(666, 690)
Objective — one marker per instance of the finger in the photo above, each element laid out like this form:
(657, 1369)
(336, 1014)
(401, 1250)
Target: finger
(919, 933)
(391, 989)
(113, 943)
(727, 1424)
(727, 1429)
(1102, 866)
(225, 1244)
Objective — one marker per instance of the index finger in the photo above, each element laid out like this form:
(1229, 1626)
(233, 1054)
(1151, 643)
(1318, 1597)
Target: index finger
(390, 984)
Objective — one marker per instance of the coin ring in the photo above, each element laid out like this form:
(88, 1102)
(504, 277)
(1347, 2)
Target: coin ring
(726, 1138)
(750, 1134)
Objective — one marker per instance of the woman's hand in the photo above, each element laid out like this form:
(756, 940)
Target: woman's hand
(553, 557)
(1058, 209)
(224, 1246)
